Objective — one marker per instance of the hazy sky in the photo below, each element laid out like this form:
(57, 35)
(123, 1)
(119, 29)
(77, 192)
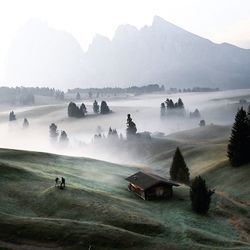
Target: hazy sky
(218, 20)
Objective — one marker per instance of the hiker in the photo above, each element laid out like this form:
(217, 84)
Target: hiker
(56, 181)
(62, 183)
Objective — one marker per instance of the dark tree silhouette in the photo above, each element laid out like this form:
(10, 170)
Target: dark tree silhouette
(104, 108)
(53, 131)
(180, 104)
(202, 123)
(238, 149)
(179, 170)
(170, 104)
(25, 123)
(131, 127)
(75, 111)
(78, 96)
(163, 109)
(64, 137)
(83, 109)
(12, 116)
(96, 107)
(200, 195)
(195, 114)
(112, 134)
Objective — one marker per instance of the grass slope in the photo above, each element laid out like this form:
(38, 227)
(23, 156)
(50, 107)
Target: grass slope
(96, 209)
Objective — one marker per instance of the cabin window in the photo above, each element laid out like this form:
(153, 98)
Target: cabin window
(159, 191)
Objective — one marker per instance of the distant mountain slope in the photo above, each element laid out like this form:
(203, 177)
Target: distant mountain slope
(160, 53)
(168, 54)
(42, 56)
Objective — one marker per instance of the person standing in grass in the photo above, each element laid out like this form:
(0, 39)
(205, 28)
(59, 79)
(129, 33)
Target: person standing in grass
(62, 186)
(56, 181)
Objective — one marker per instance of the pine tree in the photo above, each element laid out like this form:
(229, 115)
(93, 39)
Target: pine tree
(12, 116)
(179, 170)
(131, 127)
(180, 104)
(64, 137)
(25, 123)
(104, 108)
(96, 107)
(83, 109)
(53, 131)
(163, 109)
(238, 148)
(200, 195)
(78, 96)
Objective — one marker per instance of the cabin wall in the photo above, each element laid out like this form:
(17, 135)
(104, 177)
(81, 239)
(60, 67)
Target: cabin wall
(159, 192)
(136, 190)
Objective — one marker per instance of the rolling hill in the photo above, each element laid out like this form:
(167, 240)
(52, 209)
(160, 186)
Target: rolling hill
(97, 210)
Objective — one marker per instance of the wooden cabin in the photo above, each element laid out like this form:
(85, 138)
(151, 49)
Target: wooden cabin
(150, 186)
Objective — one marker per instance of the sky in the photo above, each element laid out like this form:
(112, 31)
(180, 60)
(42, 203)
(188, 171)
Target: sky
(217, 20)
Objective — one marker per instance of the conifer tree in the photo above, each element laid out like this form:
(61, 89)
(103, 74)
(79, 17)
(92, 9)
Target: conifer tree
(64, 137)
(179, 170)
(238, 148)
(131, 127)
(104, 108)
(83, 109)
(53, 131)
(25, 123)
(96, 107)
(163, 109)
(180, 104)
(200, 195)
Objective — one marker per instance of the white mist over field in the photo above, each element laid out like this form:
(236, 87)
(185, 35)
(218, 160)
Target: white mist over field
(215, 107)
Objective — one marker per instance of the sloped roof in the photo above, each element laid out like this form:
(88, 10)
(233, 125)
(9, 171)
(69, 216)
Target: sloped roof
(147, 180)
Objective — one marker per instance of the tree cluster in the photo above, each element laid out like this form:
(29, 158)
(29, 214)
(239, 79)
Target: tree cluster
(112, 133)
(75, 111)
(238, 149)
(169, 107)
(54, 134)
(12, 116)
(179, 170)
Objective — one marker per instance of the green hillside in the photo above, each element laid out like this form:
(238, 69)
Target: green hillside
(97, 210)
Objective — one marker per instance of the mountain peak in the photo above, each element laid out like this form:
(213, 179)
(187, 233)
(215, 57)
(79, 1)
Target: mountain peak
(160, 22)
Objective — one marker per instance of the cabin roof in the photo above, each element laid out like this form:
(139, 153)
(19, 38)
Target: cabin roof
(147, 180)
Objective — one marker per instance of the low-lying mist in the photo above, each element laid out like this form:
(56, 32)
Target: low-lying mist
(215, 108)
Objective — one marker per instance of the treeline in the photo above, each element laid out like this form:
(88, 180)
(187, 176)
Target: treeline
(26, 95)
(194, 89)
(169, 107)
(130, 90)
